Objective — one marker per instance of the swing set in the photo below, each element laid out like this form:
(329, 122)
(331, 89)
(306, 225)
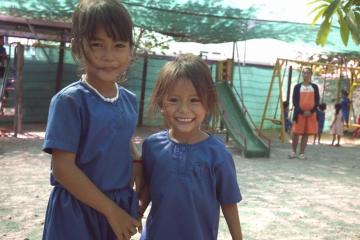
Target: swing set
(332, 83)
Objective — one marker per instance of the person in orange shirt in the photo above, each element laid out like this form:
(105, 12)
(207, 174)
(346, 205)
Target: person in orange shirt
(305, 100)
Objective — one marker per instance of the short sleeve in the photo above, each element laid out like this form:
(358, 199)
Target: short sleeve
(227, 188)
(63, 126)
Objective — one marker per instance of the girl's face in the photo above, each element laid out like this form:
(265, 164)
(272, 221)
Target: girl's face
(107, 58)
(183, 111)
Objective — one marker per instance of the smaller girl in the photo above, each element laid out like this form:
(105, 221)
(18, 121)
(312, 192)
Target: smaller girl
(189, 173)
(337, 125)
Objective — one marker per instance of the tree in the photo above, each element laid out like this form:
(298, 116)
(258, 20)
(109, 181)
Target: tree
(348, 16)
(148, 41)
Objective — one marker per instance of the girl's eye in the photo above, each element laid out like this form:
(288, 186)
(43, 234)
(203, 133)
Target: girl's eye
(119, 45)
(194, 100)
(172, 100)
(95, 45)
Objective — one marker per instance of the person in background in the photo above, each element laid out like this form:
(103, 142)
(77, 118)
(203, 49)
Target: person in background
(3, 57)
(89, 130)
(356, 133)
(288, 123)
(189, 173)
(305, 99)
(345, 106)
(337, 125)
(320, 116)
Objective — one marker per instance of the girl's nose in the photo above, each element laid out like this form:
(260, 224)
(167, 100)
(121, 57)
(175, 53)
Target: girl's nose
(184, 108)
(107, 53)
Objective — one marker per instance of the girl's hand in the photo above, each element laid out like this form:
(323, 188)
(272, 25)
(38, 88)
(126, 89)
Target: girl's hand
(123, 225)
(307, 113)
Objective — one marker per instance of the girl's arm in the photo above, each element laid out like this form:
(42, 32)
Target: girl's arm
(231, 215)
(135, 152)
(333, 121)
(79, 185)
(137, 176)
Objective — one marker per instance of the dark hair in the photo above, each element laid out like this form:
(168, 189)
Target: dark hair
(191, 68)
(285, 104)
(344, 92)
(305, 69)
(109, 14)
(322, 106)
(337, 108)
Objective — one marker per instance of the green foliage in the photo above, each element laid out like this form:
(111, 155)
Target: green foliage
(323, 32)
(344, 29)
(149, 41)
(347, 13)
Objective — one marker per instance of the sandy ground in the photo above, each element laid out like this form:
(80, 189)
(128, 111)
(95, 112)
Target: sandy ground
(290, 199)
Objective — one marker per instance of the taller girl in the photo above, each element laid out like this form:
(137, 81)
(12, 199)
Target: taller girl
(89, 131)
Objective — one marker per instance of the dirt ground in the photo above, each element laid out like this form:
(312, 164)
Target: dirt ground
(292, 199)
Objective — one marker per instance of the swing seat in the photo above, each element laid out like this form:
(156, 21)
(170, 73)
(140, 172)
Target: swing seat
(274, 121)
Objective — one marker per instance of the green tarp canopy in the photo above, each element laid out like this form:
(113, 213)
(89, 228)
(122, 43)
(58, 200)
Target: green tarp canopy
(203, 21)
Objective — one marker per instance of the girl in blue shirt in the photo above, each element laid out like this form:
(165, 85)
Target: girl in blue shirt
(345, 106)
(189, 173)
(89, 131)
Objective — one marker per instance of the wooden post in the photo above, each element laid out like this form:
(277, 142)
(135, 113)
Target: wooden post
(60, 67)
(276, 73)
(143, 89)
(19, 89)
(282, 115)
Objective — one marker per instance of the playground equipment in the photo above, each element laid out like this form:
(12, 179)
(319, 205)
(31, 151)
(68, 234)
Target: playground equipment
(11, 89)
(239, 123)
(235, 116)
(327, 71)
(224, 70)
(353, 116)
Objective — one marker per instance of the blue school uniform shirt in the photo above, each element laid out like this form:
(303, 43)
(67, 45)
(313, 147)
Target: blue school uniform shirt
(98, 132)
(345, 108)
(187, 184)
(2, 50)
(320, 115)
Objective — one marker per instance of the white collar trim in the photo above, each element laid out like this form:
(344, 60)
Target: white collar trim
(105, 99)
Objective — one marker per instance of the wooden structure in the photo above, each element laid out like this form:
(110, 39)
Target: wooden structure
(11, 26)
(15, 84)
(224, 70)
(278, 79)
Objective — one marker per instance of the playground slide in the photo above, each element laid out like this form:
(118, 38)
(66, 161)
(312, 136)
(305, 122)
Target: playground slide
(239, 128)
